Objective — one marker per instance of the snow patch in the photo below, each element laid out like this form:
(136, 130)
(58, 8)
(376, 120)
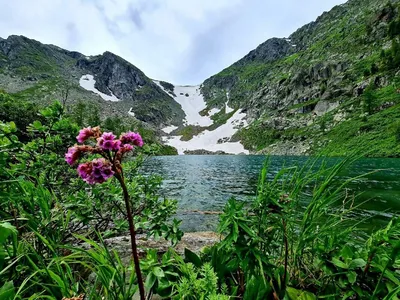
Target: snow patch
(213, 111)
(88, 82)
(215, 140)
(228, 109)
(169, 129)
(192, 102)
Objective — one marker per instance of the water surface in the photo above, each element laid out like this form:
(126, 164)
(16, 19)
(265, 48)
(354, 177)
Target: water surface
(205, 183)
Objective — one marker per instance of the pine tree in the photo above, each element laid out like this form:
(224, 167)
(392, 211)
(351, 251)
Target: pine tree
(370, 99)
(395, 53)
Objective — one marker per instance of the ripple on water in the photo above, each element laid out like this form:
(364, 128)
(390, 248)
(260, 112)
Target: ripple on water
(206, 182)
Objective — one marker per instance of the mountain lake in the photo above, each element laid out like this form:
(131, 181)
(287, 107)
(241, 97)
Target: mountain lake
(203, 184)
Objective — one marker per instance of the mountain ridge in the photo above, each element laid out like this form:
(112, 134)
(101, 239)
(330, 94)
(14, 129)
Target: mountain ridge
(303, 100)
(328, 87)
(34, 63)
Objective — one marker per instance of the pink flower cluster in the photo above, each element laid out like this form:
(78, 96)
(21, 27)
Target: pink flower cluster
(86, 133)
(107, 142)
(96, 171)
(112, 150)
(132, 138)
(72, 155)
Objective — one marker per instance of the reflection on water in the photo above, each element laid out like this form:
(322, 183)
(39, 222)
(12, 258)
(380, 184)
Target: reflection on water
(205, 183)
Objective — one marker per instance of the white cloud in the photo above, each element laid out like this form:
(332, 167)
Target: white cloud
(181, 41)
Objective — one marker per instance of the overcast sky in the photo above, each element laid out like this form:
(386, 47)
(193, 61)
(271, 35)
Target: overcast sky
(180, 41)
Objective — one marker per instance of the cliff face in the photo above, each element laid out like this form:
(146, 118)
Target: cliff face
(41, 72)
(305, 93)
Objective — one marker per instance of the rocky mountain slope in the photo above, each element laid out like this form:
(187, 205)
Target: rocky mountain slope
(332, 86)
(31, 70)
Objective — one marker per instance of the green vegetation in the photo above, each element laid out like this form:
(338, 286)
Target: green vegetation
(53, 229)
(44, 208)
(257, 136)
(349, 57)
(304, 104)
(189, 131)
(298, 238)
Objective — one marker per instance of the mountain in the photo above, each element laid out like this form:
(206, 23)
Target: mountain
(332, 86)
(32, 70)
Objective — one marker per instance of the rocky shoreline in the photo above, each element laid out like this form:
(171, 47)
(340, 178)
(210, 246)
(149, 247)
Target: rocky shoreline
(194, 241)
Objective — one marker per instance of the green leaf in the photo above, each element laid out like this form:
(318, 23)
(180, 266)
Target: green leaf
(150, 280)
(192, 258)
(346, 252)
(392, 295)
(294, 294)
(37, 125)
(7, 291)
(348, 295)
(391, 276)
(257, 289)
(357, 263)
(6, 229)
(339, 263)
(158, 272)
(352, 277)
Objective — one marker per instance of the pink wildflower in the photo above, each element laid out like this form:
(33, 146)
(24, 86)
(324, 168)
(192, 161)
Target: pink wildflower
(85, 170)
(85, 134)
(107, 142)
(132, 138)
(72, 155)
(116, 145)
(108, 136)
(97, 171)
(126, 148)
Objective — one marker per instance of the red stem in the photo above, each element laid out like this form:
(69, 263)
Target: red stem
(133, 235)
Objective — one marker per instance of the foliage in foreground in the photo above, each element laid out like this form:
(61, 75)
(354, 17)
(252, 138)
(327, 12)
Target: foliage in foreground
(297, 239)
(43, 206)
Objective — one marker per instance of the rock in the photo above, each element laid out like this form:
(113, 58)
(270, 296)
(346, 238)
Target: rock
(286, 148)
(323, 107)
(270, 50)
(194, 241)
(339, 117)
(205, 152)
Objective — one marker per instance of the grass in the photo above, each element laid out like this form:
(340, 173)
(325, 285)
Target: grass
(188, 132)
(304, 104)
(375, 136)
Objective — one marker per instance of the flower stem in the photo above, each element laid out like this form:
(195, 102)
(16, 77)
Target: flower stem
(132, 232)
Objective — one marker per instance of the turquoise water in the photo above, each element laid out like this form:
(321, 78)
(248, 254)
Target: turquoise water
(205, 183)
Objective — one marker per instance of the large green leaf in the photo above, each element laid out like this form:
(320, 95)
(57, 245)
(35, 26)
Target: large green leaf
(357, 263)
(352, 277)
(150, 280)
(339, 263)
(158, 272)
(193, 258)
(7, 291)
(6, 229)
